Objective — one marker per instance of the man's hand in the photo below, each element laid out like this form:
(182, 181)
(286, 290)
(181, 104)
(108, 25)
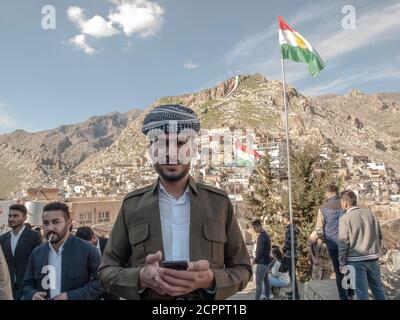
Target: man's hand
(180, 282)
(343, 269)
(61, 296)
(253, 261)
(39, 296)
(148, 274)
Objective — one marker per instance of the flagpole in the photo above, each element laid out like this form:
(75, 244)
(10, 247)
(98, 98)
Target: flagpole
(289, 181)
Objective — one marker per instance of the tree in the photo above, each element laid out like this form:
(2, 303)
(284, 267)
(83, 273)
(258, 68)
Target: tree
(262, 203)
(265, 202)
(309, 183)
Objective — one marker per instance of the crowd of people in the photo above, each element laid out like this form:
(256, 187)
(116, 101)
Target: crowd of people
(346, 241)
(178, 239)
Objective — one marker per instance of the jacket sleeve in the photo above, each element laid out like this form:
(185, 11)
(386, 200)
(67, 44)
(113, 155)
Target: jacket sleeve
(261, 243)
(5, 281)
(29, 280)
(343, 240)
(92, 289)
(287, 242)
(237, 272)
(115, 277)
(319, 227)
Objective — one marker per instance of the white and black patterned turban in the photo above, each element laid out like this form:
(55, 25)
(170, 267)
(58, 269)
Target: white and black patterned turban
(165, 116)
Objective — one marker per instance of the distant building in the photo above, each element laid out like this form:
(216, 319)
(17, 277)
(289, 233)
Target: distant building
(44, 194)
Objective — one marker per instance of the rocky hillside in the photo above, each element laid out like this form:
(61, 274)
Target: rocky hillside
(362, 124)
(43, 157)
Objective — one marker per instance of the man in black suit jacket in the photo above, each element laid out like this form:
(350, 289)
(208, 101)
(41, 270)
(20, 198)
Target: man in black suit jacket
(65, 267)
(17, 246)
(86, 233)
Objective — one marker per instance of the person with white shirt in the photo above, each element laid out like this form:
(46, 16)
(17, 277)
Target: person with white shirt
(278, 279)
(17, 246)
(175, 219)
(65, 267)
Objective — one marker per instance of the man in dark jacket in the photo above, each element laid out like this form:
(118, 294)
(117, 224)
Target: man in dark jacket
(65, 267)
(328, 229)
(17, 246)
(86, 233)
(287, 251)
(262, 259)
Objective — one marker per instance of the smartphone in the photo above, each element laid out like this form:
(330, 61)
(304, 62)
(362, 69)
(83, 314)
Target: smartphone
(177, 265)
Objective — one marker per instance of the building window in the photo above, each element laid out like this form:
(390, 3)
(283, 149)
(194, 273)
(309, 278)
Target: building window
(85, 218)
(103, 217)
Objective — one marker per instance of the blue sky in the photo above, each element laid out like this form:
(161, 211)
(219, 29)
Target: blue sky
(116, 55)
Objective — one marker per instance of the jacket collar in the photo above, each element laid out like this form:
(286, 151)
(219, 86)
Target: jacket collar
(192, 185)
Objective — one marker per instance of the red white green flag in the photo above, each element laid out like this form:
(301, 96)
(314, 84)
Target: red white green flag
(245, 155)
(295, 47)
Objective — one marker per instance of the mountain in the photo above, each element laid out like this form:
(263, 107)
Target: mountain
(361, 124)
(45, 156)
(349, 121)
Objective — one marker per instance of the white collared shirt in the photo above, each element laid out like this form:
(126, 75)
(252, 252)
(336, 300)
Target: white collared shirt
(15, 238)
(175, 224)
(55, 260)
(98, 245)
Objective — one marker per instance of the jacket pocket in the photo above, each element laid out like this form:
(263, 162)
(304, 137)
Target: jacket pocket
(138, 234)
(216, 239)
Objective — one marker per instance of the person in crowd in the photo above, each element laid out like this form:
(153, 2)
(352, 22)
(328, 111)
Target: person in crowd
(65, 267)
(327, 228)
(278, 279)
(262, 260)
(360, 239)
(86, 233)
(176, 218)
(288, 252)
(17, 245)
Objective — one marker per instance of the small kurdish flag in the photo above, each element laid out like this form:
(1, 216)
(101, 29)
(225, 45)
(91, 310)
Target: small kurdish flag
(245, 155)
(297, 48)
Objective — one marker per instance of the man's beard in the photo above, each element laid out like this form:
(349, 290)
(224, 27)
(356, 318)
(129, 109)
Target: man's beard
(15, 225)
(55, 237)
(173, 176)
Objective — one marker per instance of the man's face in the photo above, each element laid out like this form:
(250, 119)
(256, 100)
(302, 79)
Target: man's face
(344, 205)
(55, 225)
(257, 228)
(93, 240)
(171, 156)
(16, 218)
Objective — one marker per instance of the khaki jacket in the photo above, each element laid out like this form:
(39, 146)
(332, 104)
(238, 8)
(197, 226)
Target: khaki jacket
(5, 282)
(214, 236)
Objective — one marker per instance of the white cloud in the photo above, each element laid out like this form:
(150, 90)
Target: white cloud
(246, 47)
(141, 17)
(377, 24)
(354, 78)
(79, 41)
(6, 120)
(137, 16)
(189, 65)
(96, 27)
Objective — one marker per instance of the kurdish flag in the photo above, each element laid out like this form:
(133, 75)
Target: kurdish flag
(297, 48)
(245, 155)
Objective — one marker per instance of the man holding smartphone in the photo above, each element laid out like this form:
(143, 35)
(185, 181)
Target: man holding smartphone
(175, 219)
